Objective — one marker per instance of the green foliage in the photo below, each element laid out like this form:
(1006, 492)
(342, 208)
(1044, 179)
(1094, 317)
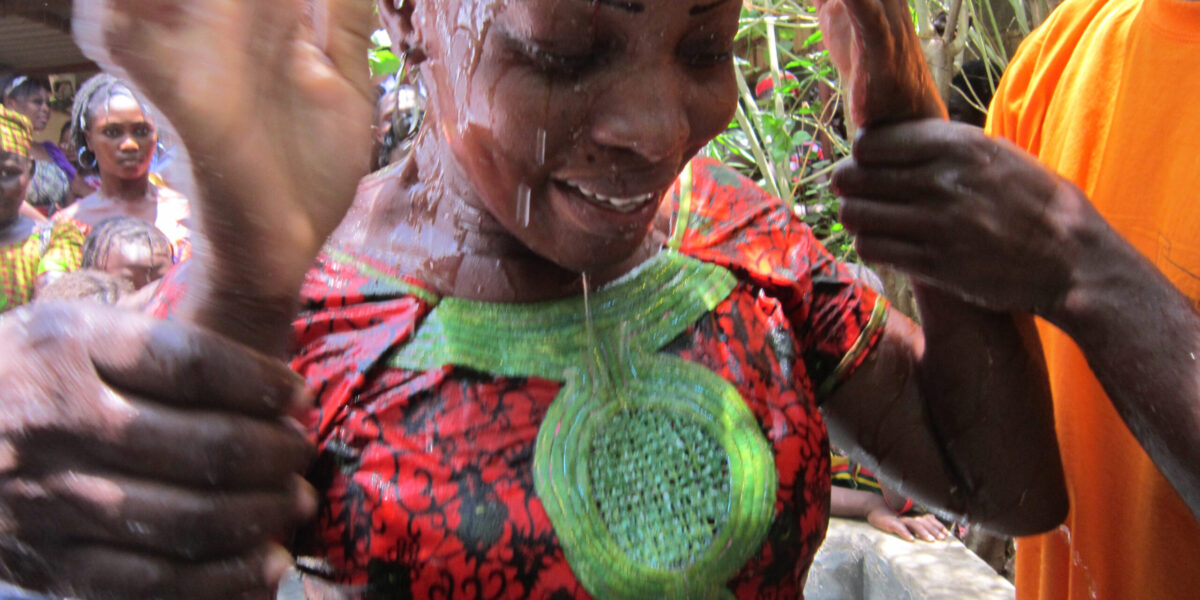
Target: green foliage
(775, 139)
(383, 61)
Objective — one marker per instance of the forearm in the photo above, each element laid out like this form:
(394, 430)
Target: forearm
(957, 416)
(983, 381)
(1141, 337)
(854, 504)
(245, 285)
(29, 211)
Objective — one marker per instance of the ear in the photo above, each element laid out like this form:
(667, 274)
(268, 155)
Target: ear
(398, 18)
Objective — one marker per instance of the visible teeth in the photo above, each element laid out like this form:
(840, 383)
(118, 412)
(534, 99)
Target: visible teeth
(618, 203)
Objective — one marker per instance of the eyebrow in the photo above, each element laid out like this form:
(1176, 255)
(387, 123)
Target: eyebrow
(703, 8)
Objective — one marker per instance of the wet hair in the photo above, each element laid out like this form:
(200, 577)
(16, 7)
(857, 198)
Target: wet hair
(120, 230)
(86, 284)
(19, 87)
(94, 93)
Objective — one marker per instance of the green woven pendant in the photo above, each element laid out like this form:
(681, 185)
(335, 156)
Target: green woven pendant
(652, 469)
(664, 487)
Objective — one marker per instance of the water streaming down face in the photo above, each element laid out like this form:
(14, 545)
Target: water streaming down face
(591, 107)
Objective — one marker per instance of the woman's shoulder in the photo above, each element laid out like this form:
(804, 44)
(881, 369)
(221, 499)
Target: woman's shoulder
(169, 195)
(354, 276)
(82, 213)
(725, 216)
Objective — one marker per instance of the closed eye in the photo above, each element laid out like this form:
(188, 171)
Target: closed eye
(554, 63)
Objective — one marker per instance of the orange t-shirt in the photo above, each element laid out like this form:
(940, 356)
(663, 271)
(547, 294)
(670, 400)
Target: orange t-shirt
(1107, 93)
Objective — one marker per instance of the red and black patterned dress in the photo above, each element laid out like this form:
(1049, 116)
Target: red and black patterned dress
(426, 474)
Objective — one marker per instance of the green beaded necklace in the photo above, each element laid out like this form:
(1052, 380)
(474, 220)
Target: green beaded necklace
(653, 471)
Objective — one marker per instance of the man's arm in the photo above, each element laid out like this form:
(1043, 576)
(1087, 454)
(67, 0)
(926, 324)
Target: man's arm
(978, 216)
(1141, 337)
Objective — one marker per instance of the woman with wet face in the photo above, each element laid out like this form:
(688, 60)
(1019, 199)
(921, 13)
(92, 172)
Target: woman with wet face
(115, 134)
(55, 184)
(554, 354)
(31, 254)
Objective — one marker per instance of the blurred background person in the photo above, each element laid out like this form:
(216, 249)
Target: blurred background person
(31, 254)
(86, 284)
(128, 248)
(116, 135)
(54, 183)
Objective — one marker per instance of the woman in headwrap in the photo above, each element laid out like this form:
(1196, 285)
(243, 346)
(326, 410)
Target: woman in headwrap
(31, 253)
(115, 132)
(55, 183)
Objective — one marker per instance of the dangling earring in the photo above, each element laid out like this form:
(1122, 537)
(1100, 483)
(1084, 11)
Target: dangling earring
(88, 163)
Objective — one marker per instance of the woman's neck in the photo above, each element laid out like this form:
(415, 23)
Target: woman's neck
(432, 231)
(126, 190)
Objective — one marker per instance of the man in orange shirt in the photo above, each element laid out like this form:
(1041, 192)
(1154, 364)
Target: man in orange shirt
(1098, 232)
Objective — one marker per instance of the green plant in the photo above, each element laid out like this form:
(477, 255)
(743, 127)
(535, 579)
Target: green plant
(789, 140)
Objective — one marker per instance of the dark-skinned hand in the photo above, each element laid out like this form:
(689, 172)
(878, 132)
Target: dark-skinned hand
(967, 213)
(144, 459)
(943, 202)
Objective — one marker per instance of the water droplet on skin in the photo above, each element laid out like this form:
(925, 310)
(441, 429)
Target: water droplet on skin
(541, 146)
(523, 196)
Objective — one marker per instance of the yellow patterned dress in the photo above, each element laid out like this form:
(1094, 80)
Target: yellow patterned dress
(51, 247)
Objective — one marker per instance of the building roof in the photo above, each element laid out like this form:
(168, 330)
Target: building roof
(35, 38)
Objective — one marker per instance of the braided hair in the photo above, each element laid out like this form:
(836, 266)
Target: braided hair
(94, 93)
(19, 87)
(113, 231)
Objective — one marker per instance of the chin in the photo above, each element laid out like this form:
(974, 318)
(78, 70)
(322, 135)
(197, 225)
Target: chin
(609, 259)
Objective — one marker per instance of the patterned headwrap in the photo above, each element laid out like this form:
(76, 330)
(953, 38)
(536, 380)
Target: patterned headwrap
(16, 132)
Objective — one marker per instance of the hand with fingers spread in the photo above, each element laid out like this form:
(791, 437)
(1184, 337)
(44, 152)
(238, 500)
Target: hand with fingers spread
(875, 49)
(144, 459)
(260, 91)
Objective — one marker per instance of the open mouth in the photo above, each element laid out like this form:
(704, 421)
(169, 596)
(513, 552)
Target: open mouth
(626, 204)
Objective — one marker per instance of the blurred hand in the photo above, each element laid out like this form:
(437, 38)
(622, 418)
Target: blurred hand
(967, 213)
(875, 49)
(143, 459)
(272, 99)
(925, 527)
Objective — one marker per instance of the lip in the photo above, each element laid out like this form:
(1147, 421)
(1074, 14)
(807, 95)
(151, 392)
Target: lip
(590, 214)
(615, 201)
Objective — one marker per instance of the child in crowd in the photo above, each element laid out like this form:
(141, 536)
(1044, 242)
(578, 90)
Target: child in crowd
(86, 284)
(128, 248)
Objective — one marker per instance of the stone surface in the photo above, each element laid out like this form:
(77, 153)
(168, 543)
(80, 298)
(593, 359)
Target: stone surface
(859, 562)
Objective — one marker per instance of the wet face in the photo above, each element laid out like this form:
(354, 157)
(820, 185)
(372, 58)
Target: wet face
(571, 118)
(122, 138)
(15, 172)
(36, 106)
(137, 261)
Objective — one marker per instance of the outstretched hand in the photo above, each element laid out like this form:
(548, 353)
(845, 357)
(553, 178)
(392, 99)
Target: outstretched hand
(875, 49)
(272, 100)
(926, 527)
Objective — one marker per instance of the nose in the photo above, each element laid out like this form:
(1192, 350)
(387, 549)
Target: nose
(128, 144)
(643, 112)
